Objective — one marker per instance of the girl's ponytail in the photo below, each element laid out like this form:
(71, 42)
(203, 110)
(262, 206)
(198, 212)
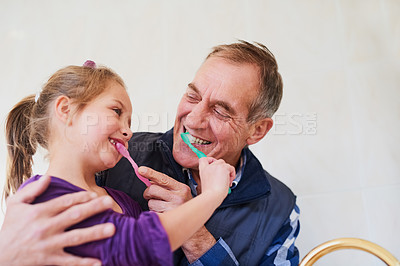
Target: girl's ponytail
(20, 145)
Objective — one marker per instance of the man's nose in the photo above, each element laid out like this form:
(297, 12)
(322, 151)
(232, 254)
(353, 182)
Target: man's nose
(198, 116)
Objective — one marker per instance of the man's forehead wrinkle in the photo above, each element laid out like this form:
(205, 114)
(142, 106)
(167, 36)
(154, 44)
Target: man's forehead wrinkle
(210, 76)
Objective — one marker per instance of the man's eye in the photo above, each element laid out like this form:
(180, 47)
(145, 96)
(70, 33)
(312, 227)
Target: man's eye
(192, 98)
(117, 110)
(221, 114)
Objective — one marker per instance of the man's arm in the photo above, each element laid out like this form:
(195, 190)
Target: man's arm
(282, 250)
(167, 193)
(34, 234)
(200, 252)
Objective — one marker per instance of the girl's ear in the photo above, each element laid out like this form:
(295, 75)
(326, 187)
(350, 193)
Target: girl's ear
(259, 130)
(63, 109)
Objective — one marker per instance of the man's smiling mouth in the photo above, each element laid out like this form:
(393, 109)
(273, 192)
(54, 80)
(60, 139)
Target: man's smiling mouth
(195, 140)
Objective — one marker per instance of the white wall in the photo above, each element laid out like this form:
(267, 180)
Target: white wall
(334, 142)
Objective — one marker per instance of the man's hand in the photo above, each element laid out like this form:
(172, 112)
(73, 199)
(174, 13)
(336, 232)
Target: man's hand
(34, 234)
(165, 193)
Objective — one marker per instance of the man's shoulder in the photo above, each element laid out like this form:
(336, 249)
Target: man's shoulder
(144, 144)
(255, 171)
(277, 191)
(145, 137)
(277, 186)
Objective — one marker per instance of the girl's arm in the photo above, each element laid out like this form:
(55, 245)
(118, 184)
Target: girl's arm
(182, 222)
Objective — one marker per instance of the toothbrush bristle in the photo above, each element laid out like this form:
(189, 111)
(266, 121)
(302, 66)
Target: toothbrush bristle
(190, 138)
(187, 137)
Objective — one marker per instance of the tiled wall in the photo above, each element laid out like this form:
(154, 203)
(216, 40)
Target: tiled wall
(335, 140)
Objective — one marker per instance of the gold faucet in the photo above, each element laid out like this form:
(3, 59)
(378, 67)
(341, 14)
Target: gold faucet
(346, 243)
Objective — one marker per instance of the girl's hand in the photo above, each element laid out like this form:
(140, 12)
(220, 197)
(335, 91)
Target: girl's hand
(216, 175)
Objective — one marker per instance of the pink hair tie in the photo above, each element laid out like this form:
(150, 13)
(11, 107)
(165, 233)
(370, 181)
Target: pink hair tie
(89, 63)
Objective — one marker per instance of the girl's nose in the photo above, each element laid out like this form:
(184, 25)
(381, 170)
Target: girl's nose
(127, 132)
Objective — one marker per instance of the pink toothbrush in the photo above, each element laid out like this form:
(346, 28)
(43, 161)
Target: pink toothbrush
(124, 152)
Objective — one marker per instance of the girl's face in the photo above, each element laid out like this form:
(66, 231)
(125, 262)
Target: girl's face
(106, 119)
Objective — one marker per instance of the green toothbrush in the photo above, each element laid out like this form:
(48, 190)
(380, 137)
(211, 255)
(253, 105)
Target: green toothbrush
(200, 154)
(185, 138)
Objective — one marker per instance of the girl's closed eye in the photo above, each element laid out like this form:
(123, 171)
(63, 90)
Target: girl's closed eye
(118, 111)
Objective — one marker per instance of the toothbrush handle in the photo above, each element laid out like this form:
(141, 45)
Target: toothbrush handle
(135, 167)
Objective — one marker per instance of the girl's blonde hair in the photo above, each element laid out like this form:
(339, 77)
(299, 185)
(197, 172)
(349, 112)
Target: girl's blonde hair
(27, 124)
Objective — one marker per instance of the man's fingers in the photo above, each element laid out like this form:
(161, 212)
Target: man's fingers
(80, 236)
(30, 191)
(157, 177)
(60, 204)
(68, 259)
(161, 199)
(159, 206)
(80, 212)
(157, 192)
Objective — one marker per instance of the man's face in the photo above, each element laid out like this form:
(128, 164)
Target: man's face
(214, 110)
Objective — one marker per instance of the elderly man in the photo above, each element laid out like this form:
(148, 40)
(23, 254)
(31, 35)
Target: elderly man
(227, 107)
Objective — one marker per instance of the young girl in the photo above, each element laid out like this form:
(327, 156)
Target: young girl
(78, 117)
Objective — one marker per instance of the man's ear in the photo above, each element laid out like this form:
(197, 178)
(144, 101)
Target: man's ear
(63, 109)
(259, 130)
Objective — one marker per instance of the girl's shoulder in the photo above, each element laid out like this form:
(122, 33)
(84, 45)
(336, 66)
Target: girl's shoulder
(56, 188)
(127, 204)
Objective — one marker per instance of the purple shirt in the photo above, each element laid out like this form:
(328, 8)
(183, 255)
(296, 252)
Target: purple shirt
(139, 239)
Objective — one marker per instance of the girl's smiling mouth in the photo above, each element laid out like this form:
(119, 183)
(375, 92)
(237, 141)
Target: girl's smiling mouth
(115, 141)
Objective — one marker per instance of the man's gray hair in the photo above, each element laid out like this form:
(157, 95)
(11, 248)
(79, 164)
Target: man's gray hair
(271, 86)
